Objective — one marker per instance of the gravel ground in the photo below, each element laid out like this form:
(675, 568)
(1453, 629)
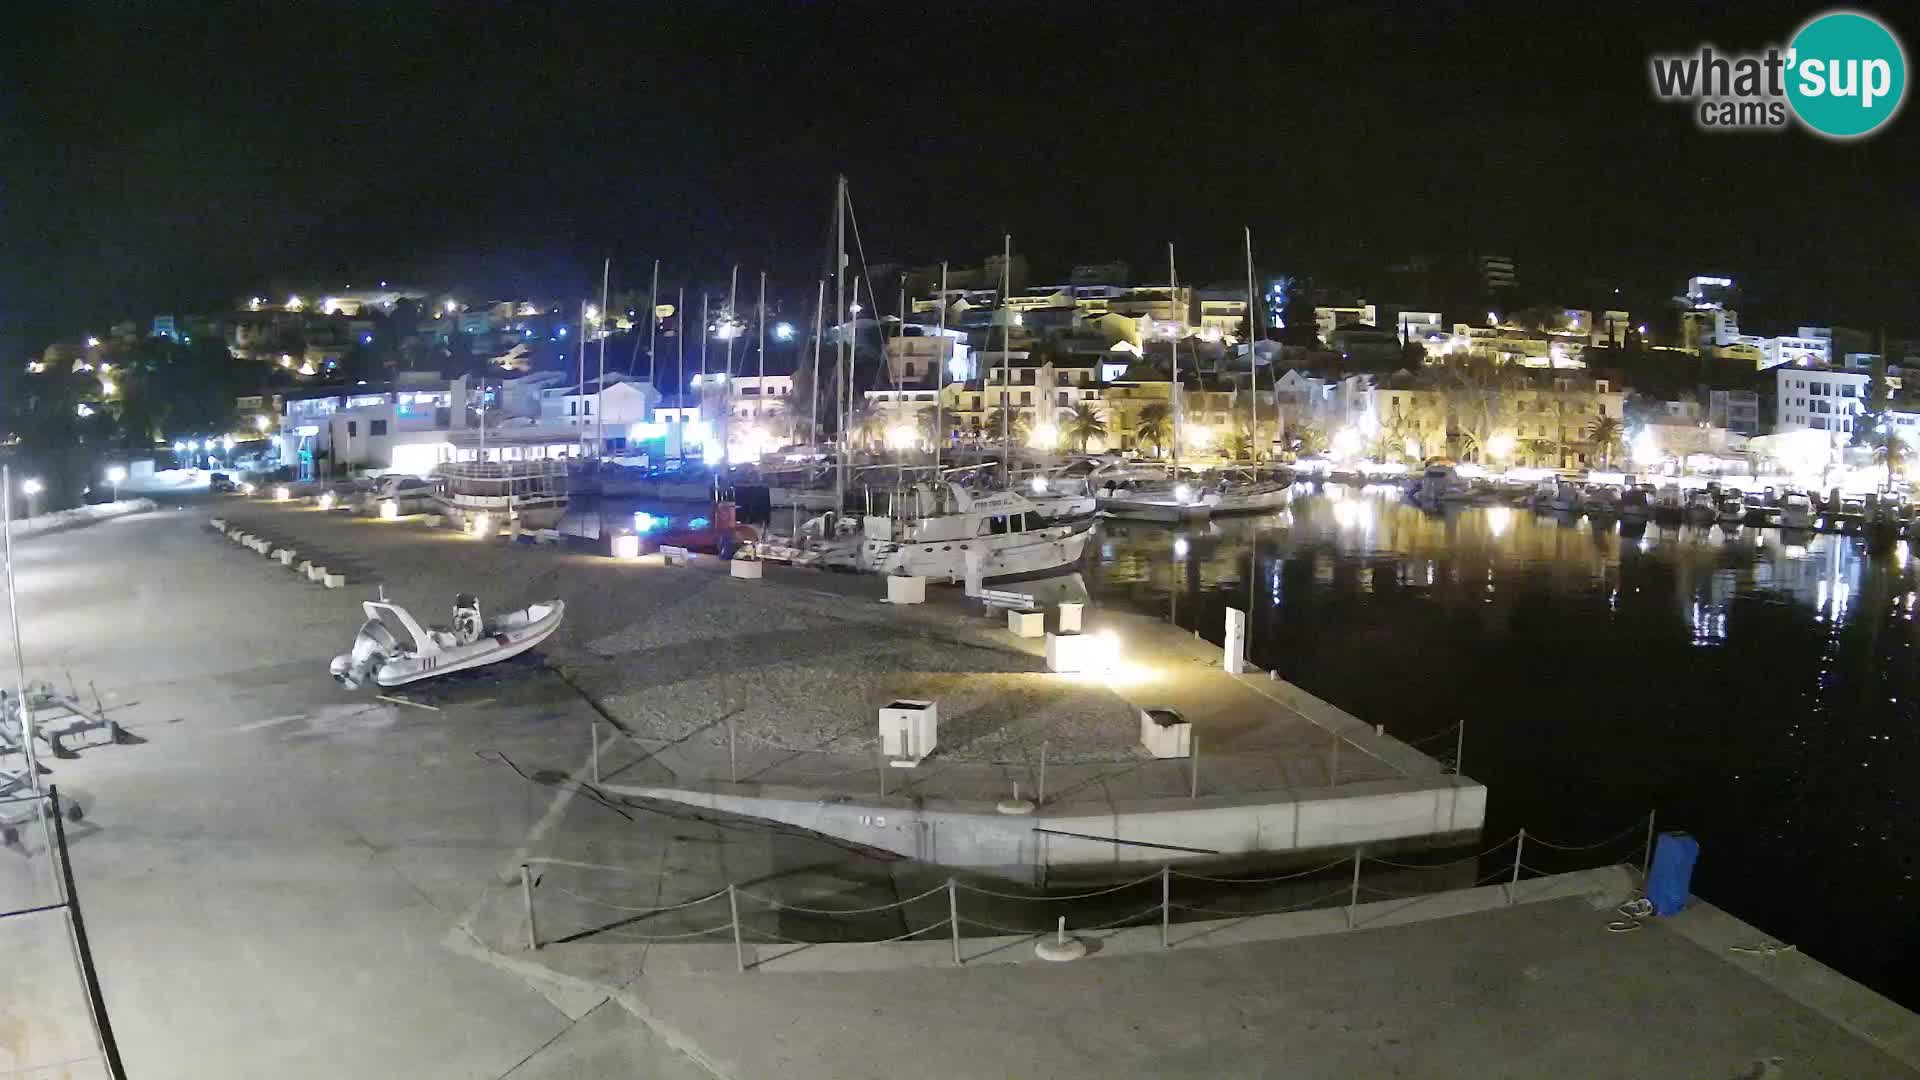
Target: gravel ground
(799, 661)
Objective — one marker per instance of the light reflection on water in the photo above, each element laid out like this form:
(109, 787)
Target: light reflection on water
(1754, 686)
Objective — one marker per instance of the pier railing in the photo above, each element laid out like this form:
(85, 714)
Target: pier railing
(570, 902)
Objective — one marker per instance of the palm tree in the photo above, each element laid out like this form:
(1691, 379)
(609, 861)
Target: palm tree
(1016, 421)
(1154, 426)
(869, 425)
(1604, 433)
(1309, 439)
(1085, 424)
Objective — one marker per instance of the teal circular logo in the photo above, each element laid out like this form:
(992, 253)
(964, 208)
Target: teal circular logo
(1847, 74)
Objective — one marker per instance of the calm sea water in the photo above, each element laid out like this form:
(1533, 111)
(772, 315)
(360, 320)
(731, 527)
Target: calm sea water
(1756, 688)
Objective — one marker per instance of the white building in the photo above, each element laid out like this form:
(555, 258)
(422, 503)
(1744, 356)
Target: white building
(1795, 350)
(1819, 399)
(620, 402)
(1419, 327)
(1328, 319)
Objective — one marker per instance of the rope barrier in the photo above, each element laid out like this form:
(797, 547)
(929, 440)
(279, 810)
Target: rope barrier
(1262, 880)
(780, 905)
(1634, 829)
(1155, 876)
(1010, 929)
(659, 937)
(1154, 910)
(1443, 865)
(1503, 872)
(1302, 906)
(636, 910)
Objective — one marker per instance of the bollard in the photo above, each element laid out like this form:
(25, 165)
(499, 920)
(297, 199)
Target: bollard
(1646, 864)
(733, 760)
(1166, 904)
(953, 919)
(1193, 766)
(593, 724)
(526, 896)
(1519, 847)
(334, 581)
(1040, 796)
(1353, 893)
(739, 950)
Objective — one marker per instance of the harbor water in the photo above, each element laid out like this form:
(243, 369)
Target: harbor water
(1755, 688)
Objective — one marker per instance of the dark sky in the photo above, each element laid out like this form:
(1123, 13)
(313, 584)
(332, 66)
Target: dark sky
(164, 156)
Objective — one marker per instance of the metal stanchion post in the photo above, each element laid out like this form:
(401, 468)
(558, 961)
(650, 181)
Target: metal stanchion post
(1353, 892)
(733, 908)
(880, 768)
(733, 760)
(526, 897)
(1460, 749)
(1646, 863)
(953, 918)
(1333, 763)
(1040, 797)
(1193, 767)
(1166, 902)
(593, 725)
(1519, 847)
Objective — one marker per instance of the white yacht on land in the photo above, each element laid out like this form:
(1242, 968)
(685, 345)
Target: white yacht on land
(532, 493)
(998, 534)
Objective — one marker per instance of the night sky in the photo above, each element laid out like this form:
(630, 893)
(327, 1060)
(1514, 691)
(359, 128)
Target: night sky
(162, 158)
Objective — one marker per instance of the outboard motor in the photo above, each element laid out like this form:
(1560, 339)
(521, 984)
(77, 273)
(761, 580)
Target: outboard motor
(467, 626)
(372, 646)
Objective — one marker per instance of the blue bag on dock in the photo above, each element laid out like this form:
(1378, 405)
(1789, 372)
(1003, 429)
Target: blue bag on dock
(1671, 878)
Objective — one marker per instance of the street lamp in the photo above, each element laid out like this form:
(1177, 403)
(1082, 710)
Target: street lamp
(260, 423)
(31, 487)
(114, 476)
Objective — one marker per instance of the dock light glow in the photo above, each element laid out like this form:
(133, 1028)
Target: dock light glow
(389, 510)
(902, 437)
(260, 423)
(326, 500)
(116, 474)
(1044, 437)
(246, 488)
(1346, 442)
(30, 486)
(479, 524)
(281, 494)
(645, 522)
(1180, 547)
(1038, 484)
(1646, 449)
(626, 546)
(783, 331)
(1501, 445)
(1182, 493)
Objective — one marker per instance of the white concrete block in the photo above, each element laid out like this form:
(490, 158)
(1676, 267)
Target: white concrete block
(626, 546)
(334, 581)
(906, 589)
(1027, 624)
(1165, 733)
(1070, 617)
(909, 730)
(675, 556)
(218, 524)
(1069, 652)
(284, 555)
(1234, 643)
(303, 566)
(749, 569)
(315, 573)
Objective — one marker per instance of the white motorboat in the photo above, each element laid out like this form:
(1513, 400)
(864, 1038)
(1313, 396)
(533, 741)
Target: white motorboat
(1566, 498)
(998, 534)
(1669, 501)
(1733, 509)
(1700, 505)
(1796, 510)
(1636, 503)
(1061, 498)
(1439, 484)
(1244, 493)
(1602, 500)
(393, 648)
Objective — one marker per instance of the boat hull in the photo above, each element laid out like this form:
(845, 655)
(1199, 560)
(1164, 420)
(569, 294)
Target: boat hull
(1163, 510)
(501, 644)
(947, 560)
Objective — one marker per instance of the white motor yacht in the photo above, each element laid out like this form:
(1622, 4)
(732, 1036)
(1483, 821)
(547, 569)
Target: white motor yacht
(997, 534)
(1796, 510)
(1700, 505)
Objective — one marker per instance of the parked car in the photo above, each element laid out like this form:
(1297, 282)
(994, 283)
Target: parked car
(221, 482)
(401, 486)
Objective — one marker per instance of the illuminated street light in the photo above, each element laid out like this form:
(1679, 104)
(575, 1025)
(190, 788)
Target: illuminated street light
(1500, 446)
(1044, 437)
(227, 443)
(179, 447)
(452, 306)
(260, 423)
(783, 331)
(294, 303)
(93, 343)
(114, 476)
(31, 487)
(107, 387)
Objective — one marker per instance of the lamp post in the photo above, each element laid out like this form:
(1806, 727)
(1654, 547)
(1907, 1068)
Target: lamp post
(114, 476)
(31, 488)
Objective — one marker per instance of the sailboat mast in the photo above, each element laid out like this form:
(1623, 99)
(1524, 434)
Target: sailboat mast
(760, 395)
(1006, 360)
(940, 380)
(730, 319)
(1253, 363)
(680, 376)
(581, 388)
(703, 375)
(819, 336)
(1173, 380)
(840, 339)
(900, 389)
(653, 324)
(600, 386)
